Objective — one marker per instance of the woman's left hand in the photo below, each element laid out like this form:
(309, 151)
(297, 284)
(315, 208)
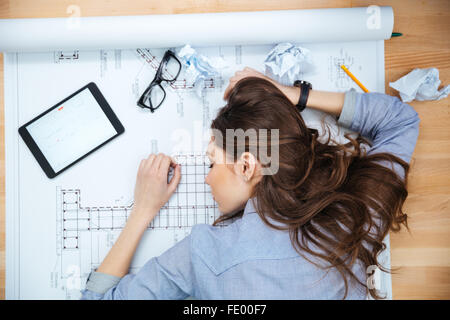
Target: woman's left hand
(152, 190)
(244, 73)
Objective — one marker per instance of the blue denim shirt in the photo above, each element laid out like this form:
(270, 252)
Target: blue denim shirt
(248, 259)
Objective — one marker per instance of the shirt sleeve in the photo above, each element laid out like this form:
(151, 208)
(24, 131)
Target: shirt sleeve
(168, 276)
(391, 125)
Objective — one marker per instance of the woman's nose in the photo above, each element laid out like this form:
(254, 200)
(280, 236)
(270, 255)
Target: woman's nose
(207, 179)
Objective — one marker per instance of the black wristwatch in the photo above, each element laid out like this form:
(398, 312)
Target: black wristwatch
(304, 86)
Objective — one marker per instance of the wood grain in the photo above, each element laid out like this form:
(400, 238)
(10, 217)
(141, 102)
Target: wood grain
(423, 255)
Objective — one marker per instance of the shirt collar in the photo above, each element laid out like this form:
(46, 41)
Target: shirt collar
(249, 207)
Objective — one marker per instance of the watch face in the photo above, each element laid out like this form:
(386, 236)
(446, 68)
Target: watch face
(298, 83)
(307, 83)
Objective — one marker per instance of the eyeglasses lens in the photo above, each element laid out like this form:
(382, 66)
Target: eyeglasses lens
(170, 69)
(156, 95)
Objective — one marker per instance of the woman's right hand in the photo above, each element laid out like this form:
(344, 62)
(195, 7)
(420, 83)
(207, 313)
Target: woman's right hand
(244, 73)
(152, 190)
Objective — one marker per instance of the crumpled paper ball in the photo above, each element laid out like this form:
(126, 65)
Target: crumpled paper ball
(420, 84)
(286, 61)
(199, 67)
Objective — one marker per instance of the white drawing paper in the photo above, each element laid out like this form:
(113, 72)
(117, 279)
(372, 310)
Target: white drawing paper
(59, 229)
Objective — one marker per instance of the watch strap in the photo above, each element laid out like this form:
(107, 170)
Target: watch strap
(305, 87)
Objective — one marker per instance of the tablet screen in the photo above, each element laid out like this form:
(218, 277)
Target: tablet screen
(71, 130)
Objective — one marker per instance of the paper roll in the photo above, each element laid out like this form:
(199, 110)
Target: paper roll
(205, 29)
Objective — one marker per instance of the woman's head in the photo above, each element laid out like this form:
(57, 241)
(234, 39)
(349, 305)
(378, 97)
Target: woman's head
(324, 193)
(241, 149)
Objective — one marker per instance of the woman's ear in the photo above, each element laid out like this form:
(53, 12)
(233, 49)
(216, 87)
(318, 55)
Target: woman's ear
(247, 166)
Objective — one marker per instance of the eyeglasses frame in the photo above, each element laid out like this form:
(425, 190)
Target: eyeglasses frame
(157, 80)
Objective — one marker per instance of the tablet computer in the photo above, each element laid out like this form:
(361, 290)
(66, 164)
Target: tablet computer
(71, 130)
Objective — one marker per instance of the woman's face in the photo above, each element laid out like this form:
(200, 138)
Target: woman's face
(230, 187)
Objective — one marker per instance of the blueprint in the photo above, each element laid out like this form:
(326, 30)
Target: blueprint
(58, 230)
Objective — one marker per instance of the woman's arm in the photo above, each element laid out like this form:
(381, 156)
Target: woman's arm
(118, 260)
(151, 192)
(330, 102)
(393, 126)
(168, 276)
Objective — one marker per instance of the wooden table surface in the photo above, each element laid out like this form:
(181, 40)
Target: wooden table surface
(423, 255)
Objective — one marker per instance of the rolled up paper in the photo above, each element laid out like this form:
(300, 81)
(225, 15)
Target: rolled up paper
(202, 29)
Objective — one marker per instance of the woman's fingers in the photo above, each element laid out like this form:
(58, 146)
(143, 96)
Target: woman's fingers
(152, 191)
(141, 165)
(166, 163)
(175, 179)
(157, 162)
(246, 72)
(148, 162)
(228, 89)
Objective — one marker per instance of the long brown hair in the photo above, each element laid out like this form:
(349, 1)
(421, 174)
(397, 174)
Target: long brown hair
(328, 195)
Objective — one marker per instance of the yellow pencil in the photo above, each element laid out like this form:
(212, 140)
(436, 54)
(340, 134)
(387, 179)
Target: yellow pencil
(354, 78)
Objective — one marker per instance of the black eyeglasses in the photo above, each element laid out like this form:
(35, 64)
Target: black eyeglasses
(168, 71)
